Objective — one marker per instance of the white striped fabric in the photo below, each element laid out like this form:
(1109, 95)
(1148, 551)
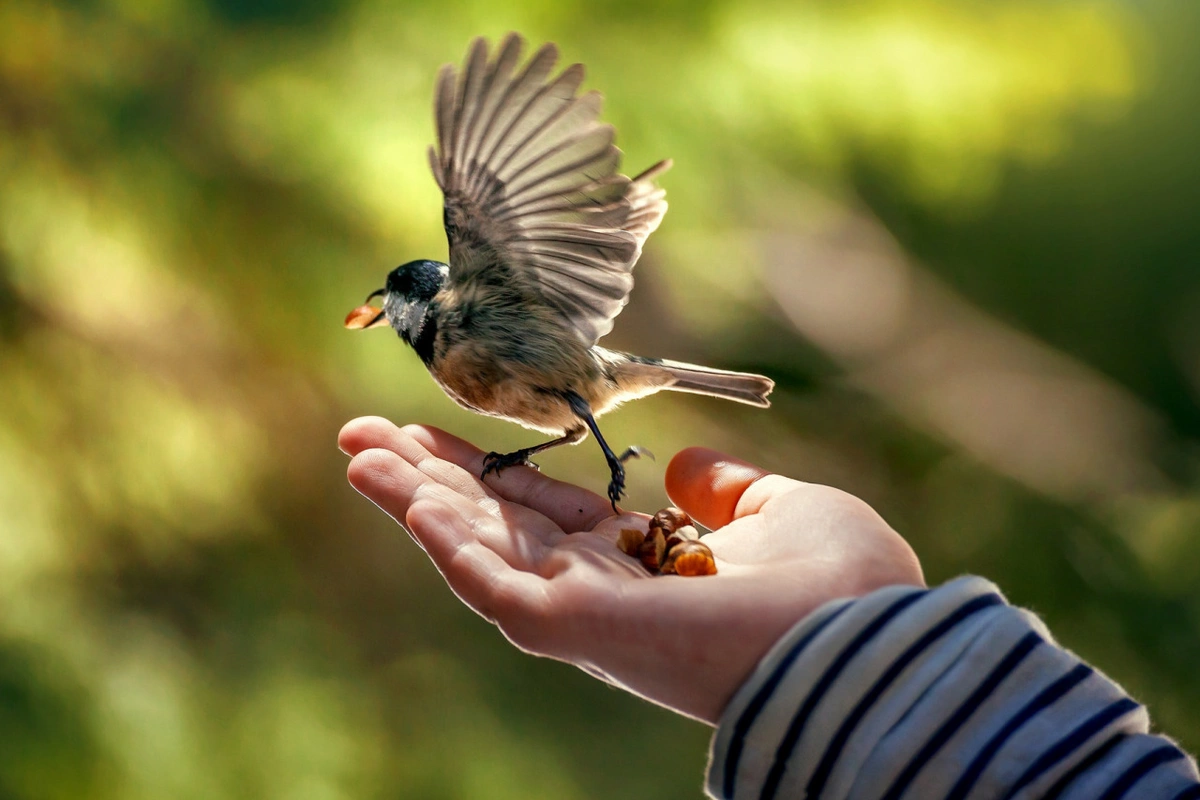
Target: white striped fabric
(943, 693)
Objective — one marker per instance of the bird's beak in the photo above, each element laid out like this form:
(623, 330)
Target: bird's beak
(367, 315)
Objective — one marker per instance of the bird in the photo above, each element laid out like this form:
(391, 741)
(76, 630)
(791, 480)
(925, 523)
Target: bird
(543, 232)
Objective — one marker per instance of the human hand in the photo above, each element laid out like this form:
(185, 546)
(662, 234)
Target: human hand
(538, 558)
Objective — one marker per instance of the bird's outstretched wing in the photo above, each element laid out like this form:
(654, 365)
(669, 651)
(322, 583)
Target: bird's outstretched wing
(532, 192)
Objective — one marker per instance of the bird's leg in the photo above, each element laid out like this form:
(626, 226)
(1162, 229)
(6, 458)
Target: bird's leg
(494, 462)
(616, 486)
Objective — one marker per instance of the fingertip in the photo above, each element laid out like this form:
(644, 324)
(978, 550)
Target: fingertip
(363, 433)
(434, 439)
(427, 513)
(425, 434)
(370, 469)
(709, 484)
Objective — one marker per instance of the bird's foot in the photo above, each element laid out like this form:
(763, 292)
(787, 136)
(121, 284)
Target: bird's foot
(494, 462)
(616, 486)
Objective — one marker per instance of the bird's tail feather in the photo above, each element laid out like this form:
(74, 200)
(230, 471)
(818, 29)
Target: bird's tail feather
(743, 387)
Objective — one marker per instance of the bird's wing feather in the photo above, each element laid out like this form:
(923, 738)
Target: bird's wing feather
(532, 193)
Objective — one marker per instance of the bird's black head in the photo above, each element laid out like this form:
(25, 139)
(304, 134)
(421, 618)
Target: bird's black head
(406, 297)
(416, 281)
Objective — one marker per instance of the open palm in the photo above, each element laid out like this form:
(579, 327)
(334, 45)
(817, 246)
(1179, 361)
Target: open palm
(538, 557)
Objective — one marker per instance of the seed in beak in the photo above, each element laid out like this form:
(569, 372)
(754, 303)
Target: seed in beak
(364, 316)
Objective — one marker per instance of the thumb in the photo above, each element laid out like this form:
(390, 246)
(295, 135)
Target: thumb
(708, 485)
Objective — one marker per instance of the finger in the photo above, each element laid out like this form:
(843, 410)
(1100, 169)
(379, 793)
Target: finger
(396, 485)
(710, 486)
(367, 433)
(570, 507)
(364, 433)
(381, 433)
(376, 432)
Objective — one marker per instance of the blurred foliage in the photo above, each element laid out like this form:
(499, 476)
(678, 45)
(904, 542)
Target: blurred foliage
(193, 603)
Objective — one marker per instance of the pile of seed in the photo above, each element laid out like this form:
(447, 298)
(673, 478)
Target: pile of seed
(672, 546)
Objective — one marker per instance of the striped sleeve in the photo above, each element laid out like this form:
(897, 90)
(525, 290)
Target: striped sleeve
(947, 693)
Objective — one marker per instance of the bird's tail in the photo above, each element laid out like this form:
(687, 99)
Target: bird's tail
(744, 387)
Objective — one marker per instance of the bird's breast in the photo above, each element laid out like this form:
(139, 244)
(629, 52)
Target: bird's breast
(488, 377)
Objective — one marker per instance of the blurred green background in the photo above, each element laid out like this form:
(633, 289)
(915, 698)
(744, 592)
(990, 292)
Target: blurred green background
(962, 236)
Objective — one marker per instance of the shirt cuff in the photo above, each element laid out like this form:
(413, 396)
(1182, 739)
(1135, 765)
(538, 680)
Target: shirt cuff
(948, 693)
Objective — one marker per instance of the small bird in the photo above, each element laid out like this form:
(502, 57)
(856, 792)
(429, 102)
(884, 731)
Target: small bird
(544, 233)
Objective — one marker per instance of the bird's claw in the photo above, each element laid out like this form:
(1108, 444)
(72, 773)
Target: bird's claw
(616, 487)
(494, 462)
(635, 451)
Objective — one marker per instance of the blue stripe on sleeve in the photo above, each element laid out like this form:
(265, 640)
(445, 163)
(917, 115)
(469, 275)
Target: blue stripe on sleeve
(1063, 783)
(823, 770)
(1073, 741)
(754, 707)
(1190, 793)
(796, 728)
(1002, 670)
(1159, 755)
(1044, 699)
